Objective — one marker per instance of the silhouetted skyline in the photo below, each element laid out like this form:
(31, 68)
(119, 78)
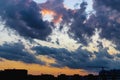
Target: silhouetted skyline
(21, 74)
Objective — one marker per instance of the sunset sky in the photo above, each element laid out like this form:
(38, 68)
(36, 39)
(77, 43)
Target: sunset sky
(59, 36)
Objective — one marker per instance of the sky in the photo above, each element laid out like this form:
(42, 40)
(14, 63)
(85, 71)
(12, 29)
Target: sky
(59, 36)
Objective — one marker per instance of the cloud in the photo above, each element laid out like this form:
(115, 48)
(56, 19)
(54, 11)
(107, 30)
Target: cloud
(17, 52)
(107, 18)
(74, 18)
(24, 17)
(59, 9)
(79, 27)
(27, 15)
(113, 4)
(79, 59)
(60, 57)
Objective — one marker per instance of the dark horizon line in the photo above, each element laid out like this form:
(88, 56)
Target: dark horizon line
(22, 74)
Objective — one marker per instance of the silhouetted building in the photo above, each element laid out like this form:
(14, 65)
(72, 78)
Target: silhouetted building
(13, 74)
(33, 77)
(62, 77)
(69, 77)
(47, 77)
(91, 77)
(110, 74)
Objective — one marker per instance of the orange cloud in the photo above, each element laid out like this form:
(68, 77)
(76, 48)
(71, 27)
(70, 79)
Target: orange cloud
(47, 12)
(36, 69)
(57, 18)
(46, 59)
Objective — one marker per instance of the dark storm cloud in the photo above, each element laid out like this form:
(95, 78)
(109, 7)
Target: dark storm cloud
(24, 16)
(79, 27)
(107, 18)
(79, 59)
(17, 52)
(114, 4)
(76, 17)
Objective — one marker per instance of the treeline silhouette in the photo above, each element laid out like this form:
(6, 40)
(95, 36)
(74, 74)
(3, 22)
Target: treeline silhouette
(21, 74)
